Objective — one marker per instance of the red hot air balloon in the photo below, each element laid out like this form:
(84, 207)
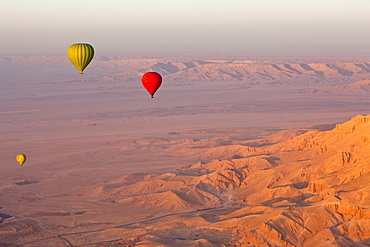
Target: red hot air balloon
(151, 81)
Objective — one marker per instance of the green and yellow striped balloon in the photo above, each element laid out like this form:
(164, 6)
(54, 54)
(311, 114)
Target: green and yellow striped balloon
(80, 55)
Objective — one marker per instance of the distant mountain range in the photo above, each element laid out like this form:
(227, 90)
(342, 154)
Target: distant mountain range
(195, 70)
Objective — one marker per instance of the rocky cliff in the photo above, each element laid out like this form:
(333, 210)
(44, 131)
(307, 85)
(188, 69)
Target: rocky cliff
(309, 190)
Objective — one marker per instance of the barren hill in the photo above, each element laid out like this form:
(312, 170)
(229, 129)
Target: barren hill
(310, 190)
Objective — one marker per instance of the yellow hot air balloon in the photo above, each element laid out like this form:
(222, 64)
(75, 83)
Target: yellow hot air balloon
(80, 55)
(21, 158)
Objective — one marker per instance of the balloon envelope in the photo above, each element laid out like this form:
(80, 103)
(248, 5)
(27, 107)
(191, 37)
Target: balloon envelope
(80, 55)
(151, 81)
(21, 158)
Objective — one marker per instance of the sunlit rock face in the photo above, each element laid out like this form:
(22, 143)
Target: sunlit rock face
(308, 190)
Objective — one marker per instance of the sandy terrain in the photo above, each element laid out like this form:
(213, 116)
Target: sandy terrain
(204, 163)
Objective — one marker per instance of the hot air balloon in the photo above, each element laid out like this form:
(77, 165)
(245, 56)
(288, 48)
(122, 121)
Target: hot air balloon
(80, 55)
(151, 81)
(21, 158)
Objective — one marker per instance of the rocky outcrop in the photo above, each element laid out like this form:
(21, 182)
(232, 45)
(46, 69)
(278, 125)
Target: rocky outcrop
(310, 188)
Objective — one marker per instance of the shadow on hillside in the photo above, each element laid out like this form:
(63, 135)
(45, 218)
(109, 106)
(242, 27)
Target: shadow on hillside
(296, 199)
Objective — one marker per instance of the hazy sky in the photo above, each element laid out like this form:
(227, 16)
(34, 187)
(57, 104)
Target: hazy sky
(121, 26)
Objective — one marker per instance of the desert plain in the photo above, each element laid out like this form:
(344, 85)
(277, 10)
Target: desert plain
(230, 152)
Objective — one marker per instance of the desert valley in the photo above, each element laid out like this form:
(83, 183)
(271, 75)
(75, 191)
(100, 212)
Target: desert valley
(233, 151)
